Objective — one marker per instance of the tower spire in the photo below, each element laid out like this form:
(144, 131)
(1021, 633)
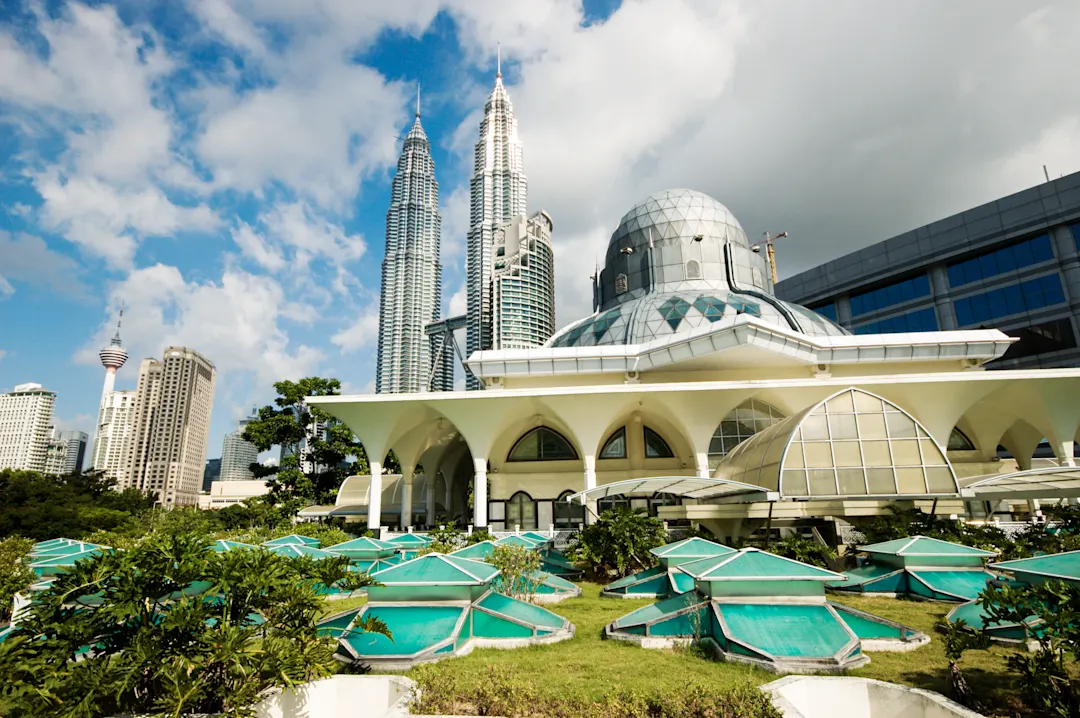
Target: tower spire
(418, 100)
(498, 60)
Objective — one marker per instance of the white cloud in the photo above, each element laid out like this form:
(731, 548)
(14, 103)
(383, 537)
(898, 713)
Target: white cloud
(3, 353)
(27, 258)
(363, 333)
(235, 322)
(455, 227)
(258, 249)
(458, 303)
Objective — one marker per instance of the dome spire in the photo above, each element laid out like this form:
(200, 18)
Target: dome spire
(418, 100)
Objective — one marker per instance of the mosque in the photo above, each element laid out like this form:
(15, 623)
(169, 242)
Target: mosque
(693, 391)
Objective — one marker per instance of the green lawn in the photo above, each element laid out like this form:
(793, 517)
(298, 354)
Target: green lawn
(344, 604)
(589, 668)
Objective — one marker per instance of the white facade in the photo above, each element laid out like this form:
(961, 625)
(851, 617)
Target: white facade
(166, 451)
(695, 392)
(237, 455)
(26, 418)
(227, 493)
(411, 294)
(498, 192)
(113, 432)
(523, 283)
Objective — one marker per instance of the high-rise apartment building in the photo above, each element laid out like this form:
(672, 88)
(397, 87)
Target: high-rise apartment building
(238, 454)
(523, 283)
(166, 452)
(26, 419)
(411, 296)
(113, 432)
(65, 452)
(498, 192)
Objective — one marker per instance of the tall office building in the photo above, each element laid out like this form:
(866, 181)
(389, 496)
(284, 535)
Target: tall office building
(166, 452)
(26, 419)
(411, 294)
(211, 473)
(65, 452)
(1012, 264)
(238, 454)
(523, 283)
(498, 192)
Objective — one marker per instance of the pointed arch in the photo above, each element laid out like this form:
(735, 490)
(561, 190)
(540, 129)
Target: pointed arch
(521, 511)
(851, 444)
(655, 445)
(959, 441)
(542, 444)
(615, 446)
(568, 515)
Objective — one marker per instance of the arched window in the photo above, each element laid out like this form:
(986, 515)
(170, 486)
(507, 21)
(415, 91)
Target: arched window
(521, 511)
(740, 424)
(567, 515)
(656, 447)
(542, 444)
(693, 269)
(958, 441)
(661, 499)
(615, 501)
(615, 446)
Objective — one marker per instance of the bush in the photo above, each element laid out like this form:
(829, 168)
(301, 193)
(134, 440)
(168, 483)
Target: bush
(803, 549)
(518, 567)
(502, 694)
(618, 543)
(15, 577)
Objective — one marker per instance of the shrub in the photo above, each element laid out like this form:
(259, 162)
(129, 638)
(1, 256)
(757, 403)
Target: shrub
(518, 568)
(502, 694)
(15, 577)
(803, 549)
(618, 542)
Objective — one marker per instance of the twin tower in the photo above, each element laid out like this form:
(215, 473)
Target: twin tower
(510, 277)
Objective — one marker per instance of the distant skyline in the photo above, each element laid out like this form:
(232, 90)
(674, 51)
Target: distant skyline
(223, 168)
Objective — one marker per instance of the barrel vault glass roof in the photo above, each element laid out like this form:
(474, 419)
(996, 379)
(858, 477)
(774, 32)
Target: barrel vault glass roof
(853, 443)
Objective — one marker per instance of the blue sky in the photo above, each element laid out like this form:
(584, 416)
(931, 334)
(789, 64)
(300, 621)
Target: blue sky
(223, 166)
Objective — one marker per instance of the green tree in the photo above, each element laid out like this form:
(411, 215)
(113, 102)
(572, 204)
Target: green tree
(618, 542)
(166, 627)
(803, 549)
(293, 424)
(519, 570)
(15, 577)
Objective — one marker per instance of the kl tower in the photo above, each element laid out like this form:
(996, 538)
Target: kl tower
(113, 357)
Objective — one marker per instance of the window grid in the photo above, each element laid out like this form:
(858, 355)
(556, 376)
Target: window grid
(1000, 261)
(742, 422)
(521, 511)
(896, 293)
(922, 320)
(1044, 291)
(826, 310)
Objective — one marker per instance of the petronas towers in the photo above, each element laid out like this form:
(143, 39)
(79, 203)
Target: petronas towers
(411, 295)
(510, 289)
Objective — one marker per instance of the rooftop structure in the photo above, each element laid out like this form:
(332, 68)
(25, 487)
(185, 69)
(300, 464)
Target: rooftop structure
(1007, 264)
(546, 586)
(293, 539)
(759, 608)
(666, 579)
(440, 606)
(700, 396)
(920, 567)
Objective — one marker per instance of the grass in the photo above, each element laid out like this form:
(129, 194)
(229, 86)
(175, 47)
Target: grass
(589, 668)
(342, 605)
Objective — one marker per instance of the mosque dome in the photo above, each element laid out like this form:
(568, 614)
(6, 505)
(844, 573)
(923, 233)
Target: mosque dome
(679, 260)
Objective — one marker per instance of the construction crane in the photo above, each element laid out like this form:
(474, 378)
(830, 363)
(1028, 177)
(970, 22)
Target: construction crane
(770, 252)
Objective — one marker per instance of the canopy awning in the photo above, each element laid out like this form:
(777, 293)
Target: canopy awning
(315, 512)
(690, 487)
(1055, 482)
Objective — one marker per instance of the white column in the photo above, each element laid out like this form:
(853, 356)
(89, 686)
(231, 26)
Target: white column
(1063, 450)
(430, 498)
(480, 497)
(406, 498)
(374, 512)
(590, 471)
(702, 460)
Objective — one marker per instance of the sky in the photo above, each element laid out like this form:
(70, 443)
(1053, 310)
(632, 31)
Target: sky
(222, 168)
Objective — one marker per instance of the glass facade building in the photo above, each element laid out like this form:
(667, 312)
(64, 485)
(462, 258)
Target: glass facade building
(1012, 264)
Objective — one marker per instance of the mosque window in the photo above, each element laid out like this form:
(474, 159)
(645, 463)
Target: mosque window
(568, 515)
(742, 422)
(542, 444)
(958, 441)
(662, 499)
(615, 501)
(656, 447)
(621, 284)
(693, 269)
(711, 307)
(521, 511)
(674, 310)
(615, 446)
